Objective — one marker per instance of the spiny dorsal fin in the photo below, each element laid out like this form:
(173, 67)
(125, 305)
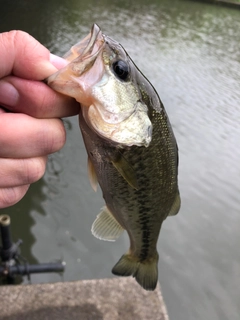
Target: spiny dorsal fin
(126, 171)
(106, 227)
(176, 205)
(92, 175)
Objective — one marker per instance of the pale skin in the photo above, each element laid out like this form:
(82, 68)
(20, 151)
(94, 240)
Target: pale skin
(30, 113)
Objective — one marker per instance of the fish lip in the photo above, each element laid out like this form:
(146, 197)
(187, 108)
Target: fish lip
(95, 34)
(88, 47)
(84, 52)
(87, 51)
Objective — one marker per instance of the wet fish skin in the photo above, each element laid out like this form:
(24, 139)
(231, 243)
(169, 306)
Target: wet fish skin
(138, 178)
(139, 211)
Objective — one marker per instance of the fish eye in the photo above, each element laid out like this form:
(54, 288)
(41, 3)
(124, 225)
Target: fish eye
(121, 69)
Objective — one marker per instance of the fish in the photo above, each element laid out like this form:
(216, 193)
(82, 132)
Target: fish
(131, 147)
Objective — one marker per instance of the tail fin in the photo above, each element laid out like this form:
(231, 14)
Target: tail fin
(145, 272)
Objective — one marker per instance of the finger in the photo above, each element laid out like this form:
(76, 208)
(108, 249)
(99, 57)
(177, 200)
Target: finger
(17, 172)
(25, 137)
(57, 61)
(10, 196)
(35, 98)
(24, 56)
(2, 110)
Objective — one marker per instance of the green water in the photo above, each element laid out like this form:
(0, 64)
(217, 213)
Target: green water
(190, 52)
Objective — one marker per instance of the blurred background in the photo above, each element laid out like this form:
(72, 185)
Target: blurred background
(190, 52)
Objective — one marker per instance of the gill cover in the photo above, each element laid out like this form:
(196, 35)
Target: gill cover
(101, 77)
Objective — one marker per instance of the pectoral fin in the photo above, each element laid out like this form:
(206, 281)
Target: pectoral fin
(126, 171)
(92, 175)
(106, 227)
(176, 205)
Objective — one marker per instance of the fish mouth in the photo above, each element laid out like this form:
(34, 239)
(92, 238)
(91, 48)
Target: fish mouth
(80, 58)
(87, 47)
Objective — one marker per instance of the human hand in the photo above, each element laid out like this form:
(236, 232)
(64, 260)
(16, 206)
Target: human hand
(30, 125)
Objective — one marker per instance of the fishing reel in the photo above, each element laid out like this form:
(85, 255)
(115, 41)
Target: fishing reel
(11, 261)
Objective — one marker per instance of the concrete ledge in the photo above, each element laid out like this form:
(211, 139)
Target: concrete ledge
(105, 299)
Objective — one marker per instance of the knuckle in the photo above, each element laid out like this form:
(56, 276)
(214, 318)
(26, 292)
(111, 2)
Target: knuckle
(55, 138)
(17, 36)
(33, 169)
(10, 196)
(14, 35)
(61, 139)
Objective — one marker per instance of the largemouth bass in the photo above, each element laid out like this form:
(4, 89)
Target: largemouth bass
(132, 151)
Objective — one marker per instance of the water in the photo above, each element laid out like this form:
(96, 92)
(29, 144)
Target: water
(190, 52)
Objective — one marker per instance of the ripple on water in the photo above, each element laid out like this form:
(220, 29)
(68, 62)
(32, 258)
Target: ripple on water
(190, 52)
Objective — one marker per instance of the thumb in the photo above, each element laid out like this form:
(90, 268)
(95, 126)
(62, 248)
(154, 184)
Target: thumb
(24, 56)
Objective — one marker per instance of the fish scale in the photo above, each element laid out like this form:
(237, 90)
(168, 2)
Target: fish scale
(132, 151)
(145, 208)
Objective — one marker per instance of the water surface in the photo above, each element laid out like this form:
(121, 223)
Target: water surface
(190, 52)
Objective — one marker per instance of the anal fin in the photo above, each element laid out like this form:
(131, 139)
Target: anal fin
(106, 227)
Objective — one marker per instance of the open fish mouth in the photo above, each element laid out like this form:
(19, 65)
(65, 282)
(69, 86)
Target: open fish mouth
(83, 54)
(112, 107)
(88, 47)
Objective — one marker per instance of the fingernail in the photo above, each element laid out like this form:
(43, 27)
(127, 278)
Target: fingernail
(8, 94)
(44, 69)
(57, 61)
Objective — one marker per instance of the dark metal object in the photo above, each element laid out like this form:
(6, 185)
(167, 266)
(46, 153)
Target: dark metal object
(31, 268)
(12, 263)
